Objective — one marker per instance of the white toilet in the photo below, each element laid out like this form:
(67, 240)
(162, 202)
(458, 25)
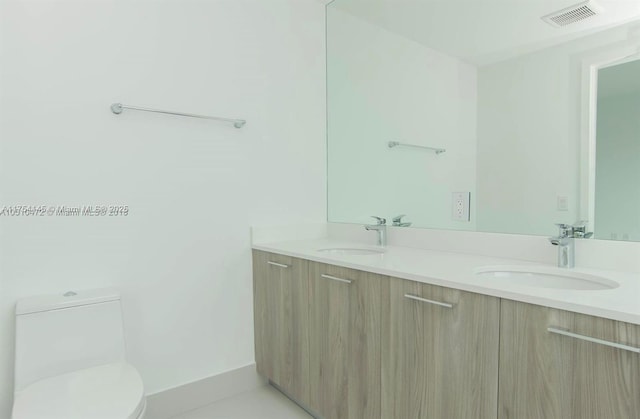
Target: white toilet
(70, 359)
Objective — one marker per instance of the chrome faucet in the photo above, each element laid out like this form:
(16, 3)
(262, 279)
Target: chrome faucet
(565, 240)
(397, 221)
(381, 228)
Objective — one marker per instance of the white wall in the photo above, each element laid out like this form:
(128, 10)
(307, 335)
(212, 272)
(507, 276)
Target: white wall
(384, 87)
(529, 136)
(527, 144)
(617, 193)
(182, 256)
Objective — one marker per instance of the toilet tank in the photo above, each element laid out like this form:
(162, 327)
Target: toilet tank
(56, 334)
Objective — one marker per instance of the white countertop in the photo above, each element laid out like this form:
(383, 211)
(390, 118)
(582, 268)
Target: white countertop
(457, 270)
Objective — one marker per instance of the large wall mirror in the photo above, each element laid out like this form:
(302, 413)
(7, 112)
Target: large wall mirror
(485, 116)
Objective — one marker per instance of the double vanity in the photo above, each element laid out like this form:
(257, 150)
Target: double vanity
(486, 141)
(353, 331)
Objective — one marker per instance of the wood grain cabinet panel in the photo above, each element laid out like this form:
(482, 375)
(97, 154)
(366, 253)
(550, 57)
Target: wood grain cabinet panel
(352, 344)
(344, 330)
(440, 352)
(545, 375)
(281, 321)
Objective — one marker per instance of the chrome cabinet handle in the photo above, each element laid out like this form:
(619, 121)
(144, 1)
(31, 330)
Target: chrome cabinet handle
(281, 265)
(594, 340)
(424, 300)
(335, 278)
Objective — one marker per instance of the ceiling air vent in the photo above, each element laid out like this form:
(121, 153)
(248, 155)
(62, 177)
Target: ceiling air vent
(573, 14)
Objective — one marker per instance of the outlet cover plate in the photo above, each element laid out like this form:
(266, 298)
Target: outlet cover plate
(562, 203)
(460, 206)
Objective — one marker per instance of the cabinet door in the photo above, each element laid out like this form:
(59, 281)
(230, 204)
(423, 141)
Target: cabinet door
(440, 352)
(344, 348)
(545, 374)
(281, 321)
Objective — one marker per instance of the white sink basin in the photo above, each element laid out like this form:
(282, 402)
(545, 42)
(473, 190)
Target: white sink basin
(544, 277)
(352, 251)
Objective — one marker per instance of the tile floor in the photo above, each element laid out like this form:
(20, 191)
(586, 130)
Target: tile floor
(262, 403)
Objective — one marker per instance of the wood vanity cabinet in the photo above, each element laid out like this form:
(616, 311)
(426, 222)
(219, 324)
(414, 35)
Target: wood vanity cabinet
(440, 352)
(344, 333)
(281, 321)
(353, 344)
(547, 375)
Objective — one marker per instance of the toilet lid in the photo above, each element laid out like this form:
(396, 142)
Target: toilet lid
(111, 391)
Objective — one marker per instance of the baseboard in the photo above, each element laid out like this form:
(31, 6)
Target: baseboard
(175, 401)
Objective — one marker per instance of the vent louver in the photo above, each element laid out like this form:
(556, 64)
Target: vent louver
(573, 14)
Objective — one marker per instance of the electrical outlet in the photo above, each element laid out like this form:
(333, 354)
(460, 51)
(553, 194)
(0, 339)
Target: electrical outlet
(460, 206)
(562, 203)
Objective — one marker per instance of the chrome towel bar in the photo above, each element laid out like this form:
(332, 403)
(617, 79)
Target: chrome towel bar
(117, 108)
(393, 144)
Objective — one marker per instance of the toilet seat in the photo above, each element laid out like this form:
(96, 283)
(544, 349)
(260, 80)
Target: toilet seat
(111, 391)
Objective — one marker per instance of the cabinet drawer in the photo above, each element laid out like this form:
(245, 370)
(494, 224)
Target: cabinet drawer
(344, 330)
(564, 365)
(440, 352)
(281, 321)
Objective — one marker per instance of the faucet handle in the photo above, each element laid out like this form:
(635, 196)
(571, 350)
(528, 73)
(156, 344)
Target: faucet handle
(380, 220)
(397, 221)
(566, 230)
(580, 230)
(398, 218)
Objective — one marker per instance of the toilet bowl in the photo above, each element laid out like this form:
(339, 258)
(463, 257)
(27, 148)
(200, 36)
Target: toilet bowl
(70, 359)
